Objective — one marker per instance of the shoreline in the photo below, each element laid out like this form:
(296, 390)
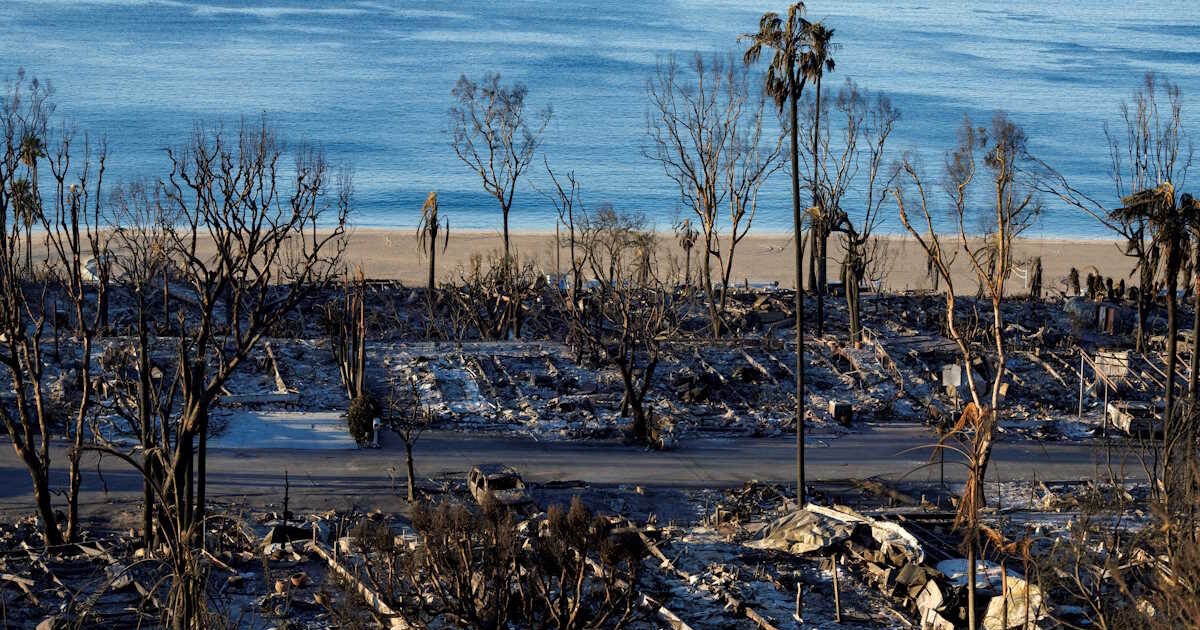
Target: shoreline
(760, 258)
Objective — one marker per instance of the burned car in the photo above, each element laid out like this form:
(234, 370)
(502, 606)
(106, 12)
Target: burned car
(503, 483)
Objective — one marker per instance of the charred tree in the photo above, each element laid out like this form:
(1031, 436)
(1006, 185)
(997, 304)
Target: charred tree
(496, 135)
(707, 133)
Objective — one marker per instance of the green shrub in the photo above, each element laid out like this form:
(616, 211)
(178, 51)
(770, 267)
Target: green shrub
(362, 410)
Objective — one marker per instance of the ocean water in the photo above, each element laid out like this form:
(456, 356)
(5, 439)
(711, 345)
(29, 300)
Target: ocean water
(370, 83)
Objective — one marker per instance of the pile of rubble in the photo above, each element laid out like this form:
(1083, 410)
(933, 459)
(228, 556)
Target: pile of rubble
(895, 562)
(263, 570)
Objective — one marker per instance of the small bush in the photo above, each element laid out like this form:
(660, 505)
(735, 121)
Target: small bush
(476, 568)
(469, 561)
(359, 415)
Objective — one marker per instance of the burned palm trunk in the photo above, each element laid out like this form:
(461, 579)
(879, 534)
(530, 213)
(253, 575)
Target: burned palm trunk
(812, 260)
(1194, 367)
(431, 291)
(854, 269)
(427, 240)
(1035, 283)
(797, 236)
(1144, 300)
(819, 231)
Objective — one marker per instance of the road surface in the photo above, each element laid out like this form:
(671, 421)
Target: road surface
(324, 479)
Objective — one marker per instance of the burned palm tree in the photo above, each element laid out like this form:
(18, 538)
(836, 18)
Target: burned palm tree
(428, 229)
(26, 213)
(29, 152)
(686, 235)
(1170, 224)
(814, 63)
(784, 82)
(1153, 149)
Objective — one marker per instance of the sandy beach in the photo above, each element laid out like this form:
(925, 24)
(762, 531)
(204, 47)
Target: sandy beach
(393, 254)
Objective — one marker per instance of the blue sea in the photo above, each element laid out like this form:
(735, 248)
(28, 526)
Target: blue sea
(370, 83)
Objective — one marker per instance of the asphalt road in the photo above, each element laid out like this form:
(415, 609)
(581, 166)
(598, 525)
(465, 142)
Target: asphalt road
(323, 479)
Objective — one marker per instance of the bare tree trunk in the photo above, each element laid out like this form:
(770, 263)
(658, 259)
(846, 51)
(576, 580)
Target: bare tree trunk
(511, 280)
(190, 477)
(1171, 437)
(812, 259)
(641, 426)
(144, 418)
(822, 278)
(575, 267)
(997, 323)
(202, 464)
(73, 460)
(103, 272)
(182, 481)
(714, 316)
(507, 255)
(431, 289)
(411, 474)
(851, 281)
(41, 495)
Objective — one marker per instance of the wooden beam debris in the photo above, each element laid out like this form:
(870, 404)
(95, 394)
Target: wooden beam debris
(372, 599)
(731, 602)
(645, 601)
(280, 385)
